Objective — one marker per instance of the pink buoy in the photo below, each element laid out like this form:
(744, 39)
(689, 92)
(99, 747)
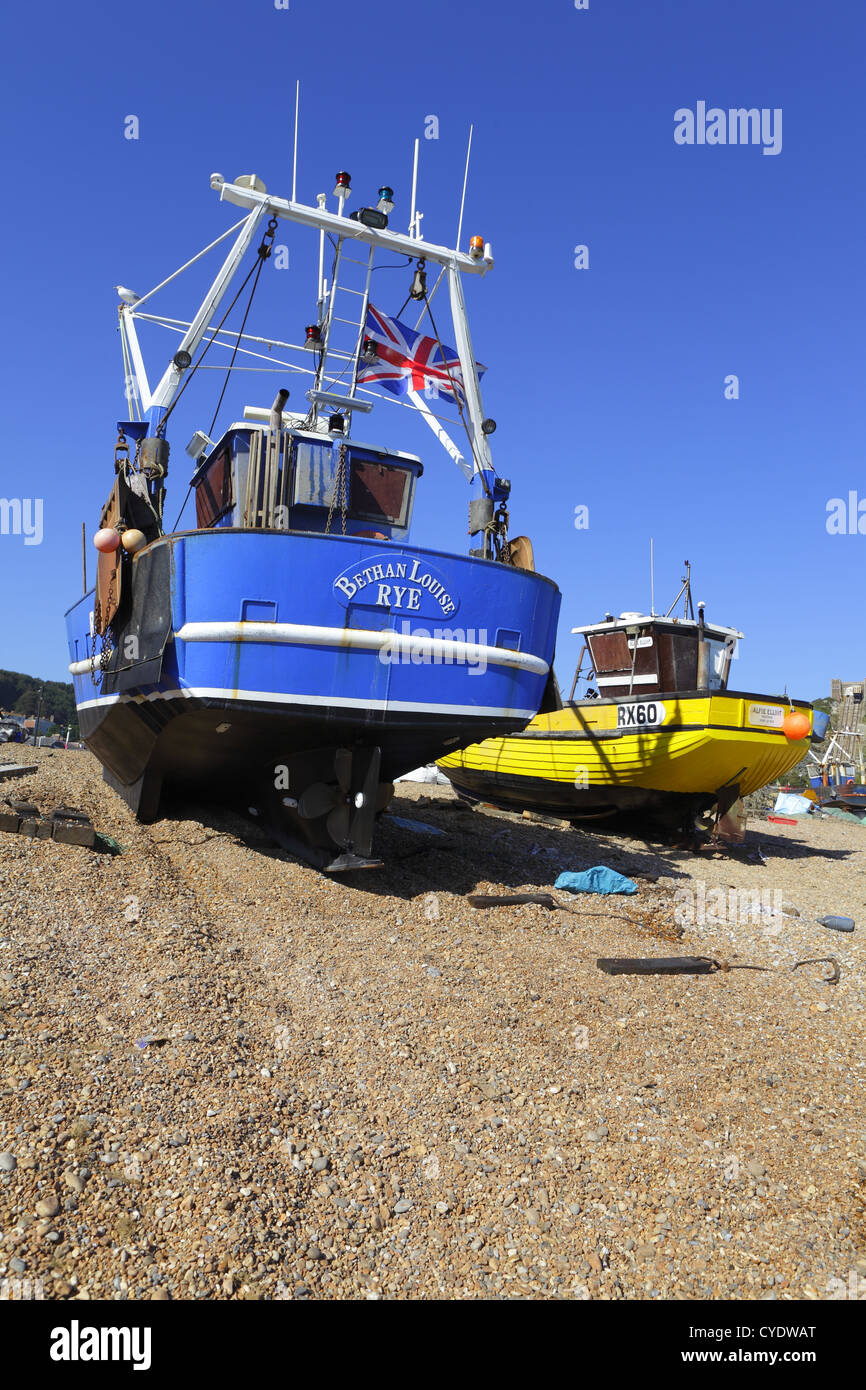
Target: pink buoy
(106, 540)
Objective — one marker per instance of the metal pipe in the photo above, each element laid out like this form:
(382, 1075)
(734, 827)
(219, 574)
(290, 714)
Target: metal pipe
(703, 652)
(275, 425)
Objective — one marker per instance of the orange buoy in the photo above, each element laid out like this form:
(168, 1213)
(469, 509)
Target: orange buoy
(106, 540)
(796, 724)
(132, 540)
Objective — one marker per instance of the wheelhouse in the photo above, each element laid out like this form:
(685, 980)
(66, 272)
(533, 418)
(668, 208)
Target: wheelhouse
(307, 481)
(637, 654)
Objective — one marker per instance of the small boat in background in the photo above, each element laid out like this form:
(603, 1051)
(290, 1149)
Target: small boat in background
(658, 735)
(293, 651)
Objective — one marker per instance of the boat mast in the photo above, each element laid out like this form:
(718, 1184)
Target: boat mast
(453, 261)
(250, 194)
(155, 403)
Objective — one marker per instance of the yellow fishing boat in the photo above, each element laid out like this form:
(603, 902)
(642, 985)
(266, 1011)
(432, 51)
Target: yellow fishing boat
(658, 734)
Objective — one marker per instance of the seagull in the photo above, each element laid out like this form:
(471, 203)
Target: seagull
(128, 296)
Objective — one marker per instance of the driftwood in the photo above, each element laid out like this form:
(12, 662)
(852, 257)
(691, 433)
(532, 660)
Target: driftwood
(701, 965)
(658, 965)
(514, 899)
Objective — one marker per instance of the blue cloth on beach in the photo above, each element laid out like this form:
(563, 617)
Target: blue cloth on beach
(596, 880)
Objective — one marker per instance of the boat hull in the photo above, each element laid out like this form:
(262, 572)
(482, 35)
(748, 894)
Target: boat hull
(244, 660)
(586, 761)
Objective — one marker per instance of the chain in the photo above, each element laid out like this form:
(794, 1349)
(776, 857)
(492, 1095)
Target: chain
(121, 453)
(99, 666)
(339, 483)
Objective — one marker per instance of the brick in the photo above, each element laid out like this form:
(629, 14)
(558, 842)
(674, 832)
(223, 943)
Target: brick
(71, 833)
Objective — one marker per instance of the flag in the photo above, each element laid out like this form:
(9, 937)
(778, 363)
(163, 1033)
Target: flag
(407, 361)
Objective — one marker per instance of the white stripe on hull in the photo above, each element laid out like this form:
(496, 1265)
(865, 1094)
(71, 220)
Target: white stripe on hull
(332, 701)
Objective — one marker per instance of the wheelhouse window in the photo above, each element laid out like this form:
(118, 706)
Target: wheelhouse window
(379, 492)
(213, 489)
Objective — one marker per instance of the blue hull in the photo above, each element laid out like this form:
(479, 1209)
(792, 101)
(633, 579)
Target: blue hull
(242, 653)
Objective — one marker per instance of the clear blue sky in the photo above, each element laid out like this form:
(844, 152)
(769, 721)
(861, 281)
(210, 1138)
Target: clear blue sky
(607, 383)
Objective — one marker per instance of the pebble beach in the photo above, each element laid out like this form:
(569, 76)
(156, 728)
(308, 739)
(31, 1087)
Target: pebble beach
(224, 1075)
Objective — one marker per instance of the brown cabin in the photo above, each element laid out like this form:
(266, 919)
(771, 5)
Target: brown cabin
(636, 654)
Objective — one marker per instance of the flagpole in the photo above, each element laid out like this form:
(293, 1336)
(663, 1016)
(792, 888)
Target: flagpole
(442, 435)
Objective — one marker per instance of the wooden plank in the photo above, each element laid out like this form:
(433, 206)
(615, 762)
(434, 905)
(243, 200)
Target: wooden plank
(15, 770)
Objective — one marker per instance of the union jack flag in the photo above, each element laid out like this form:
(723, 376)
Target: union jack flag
(407, 361)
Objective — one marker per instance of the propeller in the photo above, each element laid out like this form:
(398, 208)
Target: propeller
(322, 797)
(350, 805)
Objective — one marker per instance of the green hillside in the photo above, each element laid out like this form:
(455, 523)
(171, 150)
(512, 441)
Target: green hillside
(20, 694)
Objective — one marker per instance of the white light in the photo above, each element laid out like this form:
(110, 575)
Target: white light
(198, 444)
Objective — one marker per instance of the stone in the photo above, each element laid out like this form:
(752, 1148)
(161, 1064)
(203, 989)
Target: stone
(48, 1206)
(8, 1163)
(74, 1181)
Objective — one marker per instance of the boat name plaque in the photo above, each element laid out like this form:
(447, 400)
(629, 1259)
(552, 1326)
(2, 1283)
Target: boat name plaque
(766, 716)
(642, 715)
(403, 584)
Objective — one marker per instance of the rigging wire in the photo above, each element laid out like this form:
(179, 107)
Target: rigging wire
(263, 253)
(262, 259)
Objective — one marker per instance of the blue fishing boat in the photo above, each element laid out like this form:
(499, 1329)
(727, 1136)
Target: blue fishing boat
(293, 652)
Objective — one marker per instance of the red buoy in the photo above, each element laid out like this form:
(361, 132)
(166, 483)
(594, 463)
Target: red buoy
(796, 724)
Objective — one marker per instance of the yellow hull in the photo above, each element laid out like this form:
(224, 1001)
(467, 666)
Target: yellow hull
(593, 754)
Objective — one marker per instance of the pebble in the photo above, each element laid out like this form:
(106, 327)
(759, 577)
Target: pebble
(277, 969)
(8, 1163)
(48, 1206)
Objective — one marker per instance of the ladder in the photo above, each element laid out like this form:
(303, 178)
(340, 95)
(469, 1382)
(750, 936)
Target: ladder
(845, 749)
(342, 332)
(848, 726)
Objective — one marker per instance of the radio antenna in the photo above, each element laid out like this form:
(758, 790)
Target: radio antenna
(465, 181)
(652, 583)
(413, 230)
(295, 156)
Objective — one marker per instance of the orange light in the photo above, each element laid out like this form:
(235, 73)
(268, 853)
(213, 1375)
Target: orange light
(796, 725)
(476, 247)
